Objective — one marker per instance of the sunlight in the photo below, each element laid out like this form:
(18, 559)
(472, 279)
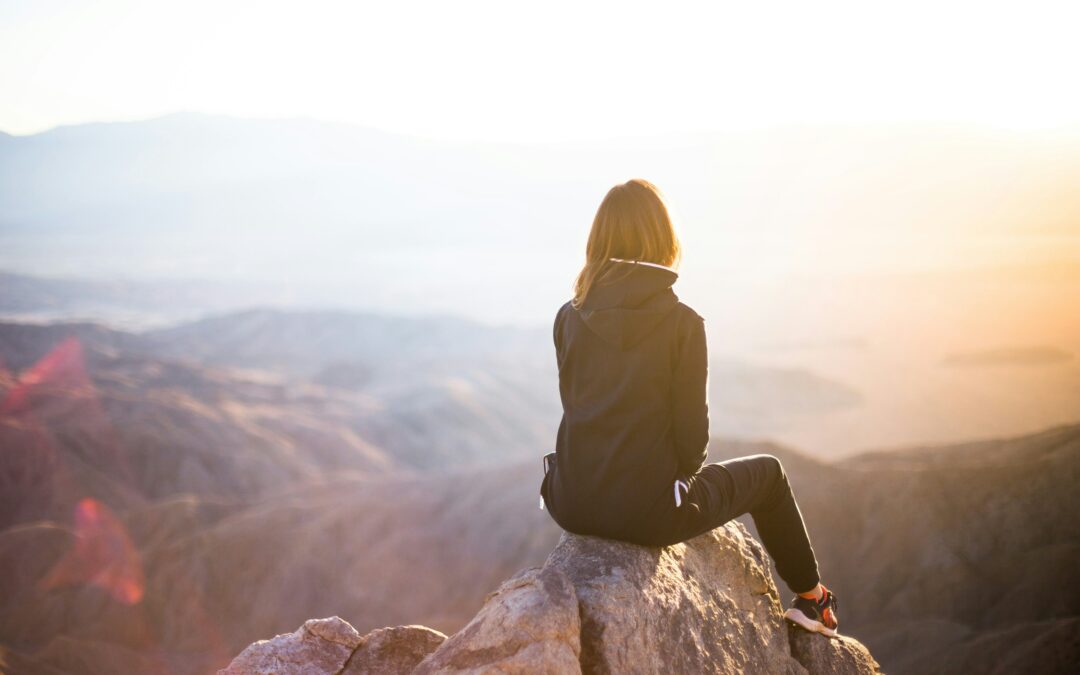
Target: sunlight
(502, 71)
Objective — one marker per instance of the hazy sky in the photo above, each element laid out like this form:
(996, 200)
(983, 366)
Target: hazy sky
(541, 71)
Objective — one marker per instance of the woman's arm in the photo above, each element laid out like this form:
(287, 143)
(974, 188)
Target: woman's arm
(557, 330)
(690, 407)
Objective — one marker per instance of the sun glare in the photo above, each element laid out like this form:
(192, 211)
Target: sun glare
(506, 71)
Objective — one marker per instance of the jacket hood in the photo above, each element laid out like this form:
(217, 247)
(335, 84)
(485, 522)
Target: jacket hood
(624, 311)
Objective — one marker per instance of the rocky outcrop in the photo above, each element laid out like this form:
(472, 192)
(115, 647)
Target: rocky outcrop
(393, 651)
(704, 606)
(830, 657)
(708, 605)
(333, 646)
(531, 624)
(319, 646)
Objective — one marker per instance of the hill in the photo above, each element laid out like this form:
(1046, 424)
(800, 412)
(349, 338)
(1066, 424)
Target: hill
(157, 509)
(950, 555)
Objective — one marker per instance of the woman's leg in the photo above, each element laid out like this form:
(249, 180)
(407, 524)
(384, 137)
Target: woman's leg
(759, 486)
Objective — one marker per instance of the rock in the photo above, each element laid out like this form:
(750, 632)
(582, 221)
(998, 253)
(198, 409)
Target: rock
(319, 646)
(393, 651)
(829, 656)
(332, 646)
(529, 625)
(704, 606)
(708, 605)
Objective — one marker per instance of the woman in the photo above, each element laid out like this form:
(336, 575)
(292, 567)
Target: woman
(628, 461)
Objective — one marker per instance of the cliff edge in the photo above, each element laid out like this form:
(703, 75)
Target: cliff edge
(708, 605)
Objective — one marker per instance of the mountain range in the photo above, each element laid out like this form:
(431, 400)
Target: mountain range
(170, 496)
(337, 214)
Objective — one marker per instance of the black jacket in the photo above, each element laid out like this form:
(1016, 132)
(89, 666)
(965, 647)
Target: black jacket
(633, 370)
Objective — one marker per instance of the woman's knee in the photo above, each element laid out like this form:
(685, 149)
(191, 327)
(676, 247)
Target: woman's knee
(776, 476)
(773, 466)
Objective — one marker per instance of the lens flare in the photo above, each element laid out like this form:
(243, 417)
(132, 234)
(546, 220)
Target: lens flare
(103, 555)
(62, 368)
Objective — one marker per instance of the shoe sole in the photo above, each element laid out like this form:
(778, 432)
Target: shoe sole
(796, 616)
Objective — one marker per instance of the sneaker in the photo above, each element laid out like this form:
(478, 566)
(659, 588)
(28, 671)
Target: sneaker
(814, 615)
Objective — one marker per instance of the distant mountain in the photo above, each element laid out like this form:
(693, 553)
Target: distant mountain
(434, 392)
(305, 343)
(950, 559)
(753, 401)
(348, 215)
(417, 410)
(849, 266)
(128, 431)
(168, 494)
(341, 208)
(221, 575)
(898, 545)
(162, 507)
(139, 490)
(1036, 355)
(134, 304)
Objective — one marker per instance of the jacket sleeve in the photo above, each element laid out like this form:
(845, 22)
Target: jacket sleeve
(690, 407)
(556, 330)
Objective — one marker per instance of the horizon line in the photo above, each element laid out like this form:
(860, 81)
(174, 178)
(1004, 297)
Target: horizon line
(698, 134)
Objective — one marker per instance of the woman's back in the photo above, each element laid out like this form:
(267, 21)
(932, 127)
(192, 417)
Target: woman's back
(632, 378)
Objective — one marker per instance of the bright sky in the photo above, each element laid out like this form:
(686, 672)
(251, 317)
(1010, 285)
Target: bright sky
(541, 71)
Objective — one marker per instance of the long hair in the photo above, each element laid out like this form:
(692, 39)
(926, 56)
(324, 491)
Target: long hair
(632, 223)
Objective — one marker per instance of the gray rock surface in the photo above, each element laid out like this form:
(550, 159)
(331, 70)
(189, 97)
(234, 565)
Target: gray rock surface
(708, 605)
(333, 647)
(529, 625)
(838, 656)
(319, 646)
(705, 606)
(393, 651)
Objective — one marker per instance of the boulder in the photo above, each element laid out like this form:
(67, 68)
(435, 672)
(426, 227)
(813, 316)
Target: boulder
(393, 651)
(704, 606)
(835, 656)
(332, 647)
(319, 646)
(708, 605)
(529, 625)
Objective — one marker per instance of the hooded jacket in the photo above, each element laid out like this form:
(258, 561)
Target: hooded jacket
(633, 373)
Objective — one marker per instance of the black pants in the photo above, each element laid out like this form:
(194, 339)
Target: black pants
(757, 485)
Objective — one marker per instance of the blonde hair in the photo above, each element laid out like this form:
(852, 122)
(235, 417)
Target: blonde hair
(632, 223)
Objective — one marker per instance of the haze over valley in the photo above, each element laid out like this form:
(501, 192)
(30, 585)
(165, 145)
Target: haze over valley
(255, 372)
(849, 276)
(166, 502)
